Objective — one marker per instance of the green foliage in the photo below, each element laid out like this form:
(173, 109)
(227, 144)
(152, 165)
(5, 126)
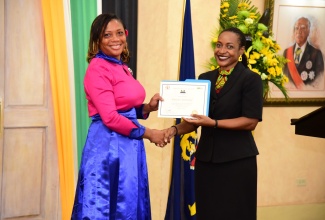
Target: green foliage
(262, 55)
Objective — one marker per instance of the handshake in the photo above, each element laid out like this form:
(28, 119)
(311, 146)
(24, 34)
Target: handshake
(160, 137)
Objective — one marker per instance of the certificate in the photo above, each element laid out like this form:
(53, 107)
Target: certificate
(183, 98)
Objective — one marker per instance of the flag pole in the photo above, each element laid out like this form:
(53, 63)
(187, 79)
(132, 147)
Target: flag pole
(181, 40)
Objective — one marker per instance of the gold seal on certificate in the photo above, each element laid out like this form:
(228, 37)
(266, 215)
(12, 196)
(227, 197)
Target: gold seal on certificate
(183, 98)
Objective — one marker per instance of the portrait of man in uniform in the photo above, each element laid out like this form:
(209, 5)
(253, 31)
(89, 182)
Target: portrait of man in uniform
(305, 69)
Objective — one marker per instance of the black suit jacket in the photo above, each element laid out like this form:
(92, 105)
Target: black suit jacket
(311, 65)
(242, 95)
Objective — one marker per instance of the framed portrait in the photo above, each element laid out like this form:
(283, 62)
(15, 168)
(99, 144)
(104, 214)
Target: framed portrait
(298, 26)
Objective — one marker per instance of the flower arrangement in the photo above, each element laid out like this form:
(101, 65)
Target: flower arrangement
(261, 52)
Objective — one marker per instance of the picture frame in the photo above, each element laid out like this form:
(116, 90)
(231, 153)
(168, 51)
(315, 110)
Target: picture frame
(288, 11)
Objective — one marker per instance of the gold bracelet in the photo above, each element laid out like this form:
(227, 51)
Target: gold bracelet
(174, 126)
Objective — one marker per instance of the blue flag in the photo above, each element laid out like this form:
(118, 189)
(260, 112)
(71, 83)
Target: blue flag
(181, 199)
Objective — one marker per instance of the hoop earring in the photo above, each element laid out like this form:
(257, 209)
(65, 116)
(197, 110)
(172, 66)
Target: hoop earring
(240, 58)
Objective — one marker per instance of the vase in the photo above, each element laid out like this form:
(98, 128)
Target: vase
(249, 41)
(266, 89)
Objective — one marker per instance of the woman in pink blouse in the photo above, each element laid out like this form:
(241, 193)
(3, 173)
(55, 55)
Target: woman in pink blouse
(113, 176)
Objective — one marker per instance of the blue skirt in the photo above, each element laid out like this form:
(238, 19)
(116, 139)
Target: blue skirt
(113, 177)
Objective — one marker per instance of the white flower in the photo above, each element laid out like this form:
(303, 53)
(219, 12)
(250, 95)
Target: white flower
(248, 21)
(264, 59)
(263, 76)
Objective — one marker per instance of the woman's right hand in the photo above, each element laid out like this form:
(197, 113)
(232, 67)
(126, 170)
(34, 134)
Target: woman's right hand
(156, 136)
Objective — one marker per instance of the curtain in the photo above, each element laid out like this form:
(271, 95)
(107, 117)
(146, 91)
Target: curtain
(82, 15)
(128, 12)
(55, 34)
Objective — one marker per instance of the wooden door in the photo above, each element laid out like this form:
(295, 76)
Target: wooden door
(29, 176)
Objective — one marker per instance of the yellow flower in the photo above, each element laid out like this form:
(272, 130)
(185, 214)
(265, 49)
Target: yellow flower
(277, 47)
(252, 15)
(255, 55)
(225, 5)
(278, 70)
(265, 51)
(256, 70)
(215, 40)
(271, 71)
(243, 5)
(268, 41)
(250, 61)
(273, 62)
(285, 79)
(262, 55)
(268, 59)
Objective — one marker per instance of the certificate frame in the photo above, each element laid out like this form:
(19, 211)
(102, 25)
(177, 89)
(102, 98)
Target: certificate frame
(292, 9)
(183, 98)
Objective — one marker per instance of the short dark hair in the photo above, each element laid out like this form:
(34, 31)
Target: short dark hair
(241, 40)
(240, 34)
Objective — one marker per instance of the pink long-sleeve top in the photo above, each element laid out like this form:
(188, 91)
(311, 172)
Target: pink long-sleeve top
(110, 87)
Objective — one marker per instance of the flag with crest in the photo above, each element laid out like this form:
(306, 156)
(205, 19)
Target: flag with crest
(181, 199)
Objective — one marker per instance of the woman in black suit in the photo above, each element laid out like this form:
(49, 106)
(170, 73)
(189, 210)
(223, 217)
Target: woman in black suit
(226, 168)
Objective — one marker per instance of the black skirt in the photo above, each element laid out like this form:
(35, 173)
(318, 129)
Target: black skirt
(226, 191)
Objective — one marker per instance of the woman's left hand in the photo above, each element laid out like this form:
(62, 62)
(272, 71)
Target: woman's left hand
(154, 102)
